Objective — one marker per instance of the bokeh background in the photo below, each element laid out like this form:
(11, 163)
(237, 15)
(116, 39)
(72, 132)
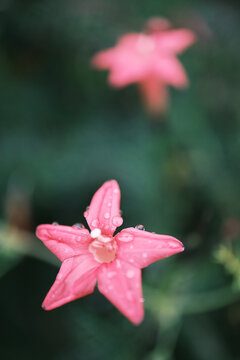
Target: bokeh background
(64, 131)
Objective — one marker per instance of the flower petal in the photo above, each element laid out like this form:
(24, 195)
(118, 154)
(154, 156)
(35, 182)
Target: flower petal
(104, 210)
(104, 59)
(129, 68)
(76, 278)
(107, 58)
(175, 41)
(170, 71)
(120, 282)
(64, 241)
(128, 40)
(142, 248)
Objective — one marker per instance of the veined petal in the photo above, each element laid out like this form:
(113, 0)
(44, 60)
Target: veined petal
(142, 248)
(171, 71)
(64, 241)
(76, 278)
(104, 210)
(120, 282)
(175, 41)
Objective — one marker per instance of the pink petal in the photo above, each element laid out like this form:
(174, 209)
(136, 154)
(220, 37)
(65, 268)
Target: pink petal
(64, 241)
(142, 248)
(125, 63)
(120, 282)
(76, 278)
(175, 41)
(129, 40)
(169, 70)
(104, 59)
(129, 68)
(104, 210)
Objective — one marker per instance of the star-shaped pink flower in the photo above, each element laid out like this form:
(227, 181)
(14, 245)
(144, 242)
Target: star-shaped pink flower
(114, 261)
(148, 59)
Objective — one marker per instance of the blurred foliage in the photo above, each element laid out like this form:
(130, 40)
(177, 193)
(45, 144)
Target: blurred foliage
(64, 131)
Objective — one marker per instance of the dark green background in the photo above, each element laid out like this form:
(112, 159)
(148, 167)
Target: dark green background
(64, 131)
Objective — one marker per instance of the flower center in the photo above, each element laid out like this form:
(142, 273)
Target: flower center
(102, 247)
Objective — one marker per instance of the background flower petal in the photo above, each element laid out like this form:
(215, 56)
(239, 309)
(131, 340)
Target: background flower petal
(171, 71)
(175, 41)
(104, 59)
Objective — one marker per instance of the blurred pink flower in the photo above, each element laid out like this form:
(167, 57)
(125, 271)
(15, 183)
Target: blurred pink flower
(149, 59)
(114, 261)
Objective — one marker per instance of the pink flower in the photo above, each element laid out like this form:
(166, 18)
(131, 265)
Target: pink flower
(148, 59)
(114, 261)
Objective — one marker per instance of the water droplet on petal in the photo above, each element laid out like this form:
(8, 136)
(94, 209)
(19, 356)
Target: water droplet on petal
(144, 255)
(95, 233)
(59, 289)
(78, 226)
(85, 231)
(118, 264)
(140, 227)
(141, 300)
(129, 295)
(59, 276)
(86, 212)
(109, 204)
(106, 215)
(111, 274)
(124, 237)
(117, 220)
(173, 244)
(130, 274)
(55, 223)
(95, 223)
